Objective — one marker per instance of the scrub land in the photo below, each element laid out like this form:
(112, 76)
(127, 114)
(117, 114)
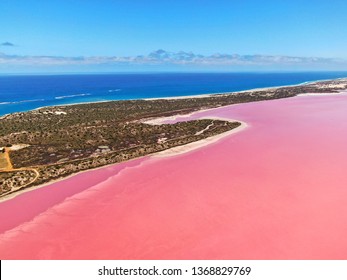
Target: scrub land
(50, 143)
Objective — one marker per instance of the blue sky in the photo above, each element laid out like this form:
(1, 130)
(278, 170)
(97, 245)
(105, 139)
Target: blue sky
(113, 28)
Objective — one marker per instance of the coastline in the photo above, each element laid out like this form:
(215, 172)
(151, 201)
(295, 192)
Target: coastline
(205, 95)
(175, 151)
(19, 192)
(178, 150)
(342, 92)
(259, 177)
(193, 146)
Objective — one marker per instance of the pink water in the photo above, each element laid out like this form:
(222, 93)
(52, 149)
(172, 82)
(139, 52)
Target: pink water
(277, 190)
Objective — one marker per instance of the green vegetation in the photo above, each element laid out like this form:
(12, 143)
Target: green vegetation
(67, 139)
(15, 180)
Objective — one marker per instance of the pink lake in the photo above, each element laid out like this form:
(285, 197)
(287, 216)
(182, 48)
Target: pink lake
(276, 190)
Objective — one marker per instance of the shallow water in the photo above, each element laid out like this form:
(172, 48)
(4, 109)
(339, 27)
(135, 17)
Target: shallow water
(276, 190)
(23, 93)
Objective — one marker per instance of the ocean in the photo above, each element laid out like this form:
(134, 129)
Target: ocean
(26, 92)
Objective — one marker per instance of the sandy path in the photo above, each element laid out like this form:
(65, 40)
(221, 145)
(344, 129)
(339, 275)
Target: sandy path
(276, 190)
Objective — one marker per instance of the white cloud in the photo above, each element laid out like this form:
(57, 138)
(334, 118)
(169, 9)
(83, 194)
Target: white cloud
(161, 57)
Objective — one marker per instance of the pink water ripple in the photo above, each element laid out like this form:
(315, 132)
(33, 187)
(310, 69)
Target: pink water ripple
(276, 190)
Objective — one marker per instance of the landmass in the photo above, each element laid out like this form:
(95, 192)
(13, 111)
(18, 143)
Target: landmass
(51, 143)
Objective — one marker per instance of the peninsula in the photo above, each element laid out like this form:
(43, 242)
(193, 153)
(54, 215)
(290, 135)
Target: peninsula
(50, 143)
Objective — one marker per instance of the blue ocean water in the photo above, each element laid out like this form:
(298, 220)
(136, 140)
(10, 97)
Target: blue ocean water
(23, 93)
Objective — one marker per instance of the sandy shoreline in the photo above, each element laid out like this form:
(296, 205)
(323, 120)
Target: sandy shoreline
(180, 97)
(241, 91)
(182, 149)
(178, 150)
(201, 143)
(255, 195)
(342, 92)
(155, 121)
(183, 96)
(19, 192)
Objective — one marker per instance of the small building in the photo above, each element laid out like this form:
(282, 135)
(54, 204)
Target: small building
(103, 149)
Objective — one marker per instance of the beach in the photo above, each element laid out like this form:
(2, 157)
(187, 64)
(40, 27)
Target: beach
(274, 190)
(21, 93)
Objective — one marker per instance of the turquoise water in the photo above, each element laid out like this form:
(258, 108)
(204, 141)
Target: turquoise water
(22, 93)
